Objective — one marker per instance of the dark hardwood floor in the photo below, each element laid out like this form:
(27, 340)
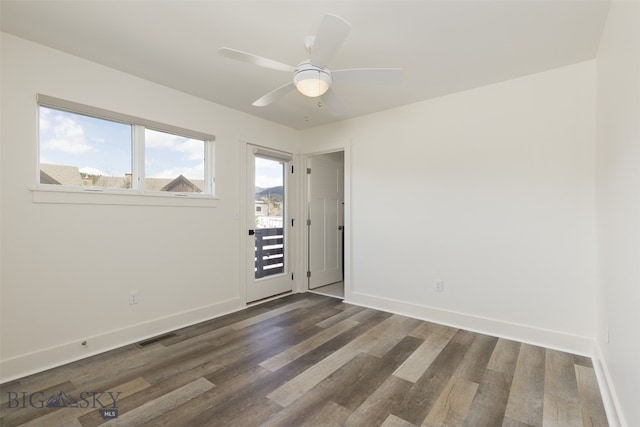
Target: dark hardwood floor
(312, 360)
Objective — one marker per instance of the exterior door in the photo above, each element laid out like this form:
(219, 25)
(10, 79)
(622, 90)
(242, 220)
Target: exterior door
(326, 219)
(268, 251)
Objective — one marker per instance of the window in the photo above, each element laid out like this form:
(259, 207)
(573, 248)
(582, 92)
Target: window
(78, 150)
(89, 149)
(173, 163)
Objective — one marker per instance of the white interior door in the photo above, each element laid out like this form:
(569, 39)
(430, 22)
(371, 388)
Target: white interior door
(268, 247)
(326, 219)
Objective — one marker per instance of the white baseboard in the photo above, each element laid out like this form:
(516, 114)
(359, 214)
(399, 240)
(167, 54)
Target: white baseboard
(527, 334)
(52, 357)
(41, 360)
(608, 392)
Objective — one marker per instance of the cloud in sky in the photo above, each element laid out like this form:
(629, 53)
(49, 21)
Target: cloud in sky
(168, 156)
(45, 119)
(155, 139)
(268, 173)
(196, 172)
(192, 149)
(63, 133)
(92, 171)
(265, 181)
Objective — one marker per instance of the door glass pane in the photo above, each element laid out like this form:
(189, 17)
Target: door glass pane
(269, 217)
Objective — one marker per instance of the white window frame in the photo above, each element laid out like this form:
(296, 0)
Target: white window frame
(136, 195)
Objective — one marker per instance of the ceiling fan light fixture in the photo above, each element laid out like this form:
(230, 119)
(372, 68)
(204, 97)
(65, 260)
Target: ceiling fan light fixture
(312, 82)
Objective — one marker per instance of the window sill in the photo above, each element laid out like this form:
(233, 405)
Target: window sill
(107, 197)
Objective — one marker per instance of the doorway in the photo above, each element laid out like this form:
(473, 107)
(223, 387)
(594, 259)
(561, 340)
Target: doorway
(325, 223)
(268, 248)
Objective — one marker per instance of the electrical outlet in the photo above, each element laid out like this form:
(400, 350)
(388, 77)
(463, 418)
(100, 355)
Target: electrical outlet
(133, 297)
(439, 286)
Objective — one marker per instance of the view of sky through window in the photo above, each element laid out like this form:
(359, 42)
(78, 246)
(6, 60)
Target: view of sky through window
(268, 173)
(95, 146)
(169, 156)
(103, 147)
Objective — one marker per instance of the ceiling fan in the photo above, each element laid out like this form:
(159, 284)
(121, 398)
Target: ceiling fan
(312, 77)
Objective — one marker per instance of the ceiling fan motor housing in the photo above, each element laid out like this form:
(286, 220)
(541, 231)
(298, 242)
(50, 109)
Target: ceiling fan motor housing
(310, 80)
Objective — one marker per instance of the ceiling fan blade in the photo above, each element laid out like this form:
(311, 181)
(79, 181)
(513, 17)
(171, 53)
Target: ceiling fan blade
(274, 95)
(255, 59)
(332, 33)
(375, 76)
(334, 103)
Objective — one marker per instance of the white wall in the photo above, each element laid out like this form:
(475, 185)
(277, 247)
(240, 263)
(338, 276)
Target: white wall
(618, 206)
(490, 190)
(67, 269)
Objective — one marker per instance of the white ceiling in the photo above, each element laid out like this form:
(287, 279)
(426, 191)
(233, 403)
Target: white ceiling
(443, 46)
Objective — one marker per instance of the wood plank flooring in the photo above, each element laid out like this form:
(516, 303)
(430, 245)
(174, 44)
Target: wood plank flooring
(311, 360)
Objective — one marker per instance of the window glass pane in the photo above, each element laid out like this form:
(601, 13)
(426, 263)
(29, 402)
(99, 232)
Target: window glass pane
(78, 150)
(270, 209)
(173, 163)
(269, 189)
